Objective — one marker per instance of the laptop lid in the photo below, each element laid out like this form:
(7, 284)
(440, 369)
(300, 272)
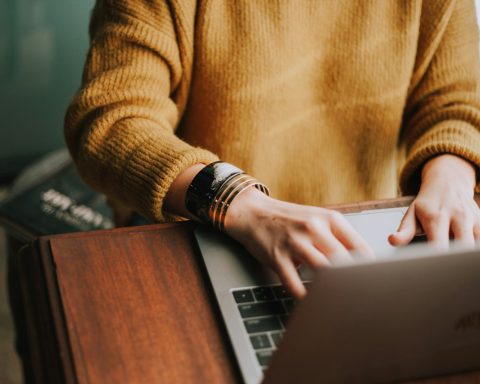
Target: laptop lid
(414, 315)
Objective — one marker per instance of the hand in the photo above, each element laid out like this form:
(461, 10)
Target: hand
(284, 235)
(444, 205)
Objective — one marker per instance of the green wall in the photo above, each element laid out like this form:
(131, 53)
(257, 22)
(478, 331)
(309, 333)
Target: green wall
(43, 44)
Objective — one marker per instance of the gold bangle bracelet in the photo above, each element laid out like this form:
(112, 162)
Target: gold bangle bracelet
(219, 199)
(225, 198)
(232, 192)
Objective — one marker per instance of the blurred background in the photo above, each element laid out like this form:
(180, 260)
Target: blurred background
(43, 45)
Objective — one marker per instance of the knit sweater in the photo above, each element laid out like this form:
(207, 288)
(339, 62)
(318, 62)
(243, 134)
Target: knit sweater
(323, 101)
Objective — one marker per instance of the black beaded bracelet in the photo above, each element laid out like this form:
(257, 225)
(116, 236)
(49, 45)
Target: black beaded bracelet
(205, 186)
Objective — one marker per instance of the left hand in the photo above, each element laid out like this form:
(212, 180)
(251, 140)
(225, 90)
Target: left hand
(444, 206)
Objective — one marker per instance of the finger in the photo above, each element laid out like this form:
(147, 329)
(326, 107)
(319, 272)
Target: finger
(331, 247)
(476, 231)
(462, 228)
(290, 278)
(406, 230)
(351, 240)
(437, 228)
(308, 254)
(476, 222)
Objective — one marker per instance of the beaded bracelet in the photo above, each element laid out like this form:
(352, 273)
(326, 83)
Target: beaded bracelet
(214, 188)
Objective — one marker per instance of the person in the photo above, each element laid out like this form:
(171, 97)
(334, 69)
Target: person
(324, 102)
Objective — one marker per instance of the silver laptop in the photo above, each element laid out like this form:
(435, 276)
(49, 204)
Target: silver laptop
(409, 314)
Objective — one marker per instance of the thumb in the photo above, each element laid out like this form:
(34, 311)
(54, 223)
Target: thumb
(407, 229)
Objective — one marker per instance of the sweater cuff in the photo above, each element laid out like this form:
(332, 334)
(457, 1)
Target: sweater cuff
(150, 172)
(453, 137)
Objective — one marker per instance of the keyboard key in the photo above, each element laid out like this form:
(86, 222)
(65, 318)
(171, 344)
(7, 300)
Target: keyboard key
(260, 341)
(261, 309)
(264, 357)
(289, 305)
(276, 337)
(243, 296)
(281, 292)
(263, 293)
(263, 324)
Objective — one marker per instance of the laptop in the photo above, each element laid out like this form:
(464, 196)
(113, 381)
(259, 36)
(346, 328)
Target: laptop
(409, 314)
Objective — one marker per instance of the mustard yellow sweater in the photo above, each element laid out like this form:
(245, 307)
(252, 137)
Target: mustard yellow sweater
(324, 101)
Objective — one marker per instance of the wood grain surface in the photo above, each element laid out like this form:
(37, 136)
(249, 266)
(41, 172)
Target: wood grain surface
(133, 305)
(137, 309)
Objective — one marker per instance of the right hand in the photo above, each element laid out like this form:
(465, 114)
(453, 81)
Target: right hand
(284, 235)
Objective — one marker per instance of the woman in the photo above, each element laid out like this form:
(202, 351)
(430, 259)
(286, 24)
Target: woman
(324, 102)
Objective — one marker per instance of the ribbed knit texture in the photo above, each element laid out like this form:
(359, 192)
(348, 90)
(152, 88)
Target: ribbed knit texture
(323, 101)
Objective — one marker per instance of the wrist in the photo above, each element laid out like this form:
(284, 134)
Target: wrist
(246, 207)
(450, 168)
(214, 189)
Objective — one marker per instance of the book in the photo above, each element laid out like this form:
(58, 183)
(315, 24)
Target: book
(50, 197)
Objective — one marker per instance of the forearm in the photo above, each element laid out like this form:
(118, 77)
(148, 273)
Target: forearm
(442, 111)
(120, 127)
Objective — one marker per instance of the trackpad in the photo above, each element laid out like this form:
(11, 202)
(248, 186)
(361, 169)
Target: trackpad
(375, 227)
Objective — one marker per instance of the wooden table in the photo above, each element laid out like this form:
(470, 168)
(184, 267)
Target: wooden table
(131, 305)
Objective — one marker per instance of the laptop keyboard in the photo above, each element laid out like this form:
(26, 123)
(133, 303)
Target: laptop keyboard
(265, 311)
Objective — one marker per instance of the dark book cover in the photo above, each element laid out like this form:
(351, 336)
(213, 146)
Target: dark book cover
(50, 198)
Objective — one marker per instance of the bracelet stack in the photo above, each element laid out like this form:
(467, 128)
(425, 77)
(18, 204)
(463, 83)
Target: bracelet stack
(214, 188)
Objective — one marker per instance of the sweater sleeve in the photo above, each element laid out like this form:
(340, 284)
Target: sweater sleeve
(120, 126)
(443, 108)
